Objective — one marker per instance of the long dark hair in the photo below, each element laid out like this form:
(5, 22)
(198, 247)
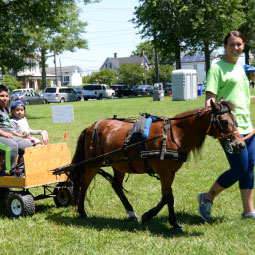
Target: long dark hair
(233, 33)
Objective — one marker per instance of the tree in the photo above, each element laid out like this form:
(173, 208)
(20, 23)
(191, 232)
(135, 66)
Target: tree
(210, 21)
(11, 82)
(247, 28)
(163, 21)
(147, 48)
(165, 74)
(65, 35)
(16, 48)
(131, 74)
(181, 26)
(106, 76)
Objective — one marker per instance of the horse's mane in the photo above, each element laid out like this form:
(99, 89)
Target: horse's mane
(228, 104)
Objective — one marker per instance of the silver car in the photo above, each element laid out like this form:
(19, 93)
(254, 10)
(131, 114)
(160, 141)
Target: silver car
(27, 98)
(60, 95)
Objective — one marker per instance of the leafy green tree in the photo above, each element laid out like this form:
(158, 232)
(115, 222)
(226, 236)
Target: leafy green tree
(66, 35)
(210, 21)
(131, 74)
(165, 72)
(106, 76)
(11, 82)
(248, 29)
(148, 49)
(180, 26)
(16, 47)
(164, 22)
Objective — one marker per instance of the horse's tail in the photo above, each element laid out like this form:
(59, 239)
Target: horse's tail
(78, 170)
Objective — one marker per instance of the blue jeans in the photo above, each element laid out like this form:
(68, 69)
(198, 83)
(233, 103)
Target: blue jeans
(241, 167)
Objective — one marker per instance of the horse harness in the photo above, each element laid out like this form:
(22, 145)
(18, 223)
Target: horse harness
(140, 144)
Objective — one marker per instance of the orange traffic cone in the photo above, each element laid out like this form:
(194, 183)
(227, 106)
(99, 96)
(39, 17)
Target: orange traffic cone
(66, 136)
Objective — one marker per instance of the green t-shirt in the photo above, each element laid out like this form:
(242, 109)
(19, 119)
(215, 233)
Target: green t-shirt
(230, 82)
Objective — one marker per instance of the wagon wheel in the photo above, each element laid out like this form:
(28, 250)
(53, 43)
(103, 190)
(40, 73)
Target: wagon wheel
(63, 195)
(20, 204)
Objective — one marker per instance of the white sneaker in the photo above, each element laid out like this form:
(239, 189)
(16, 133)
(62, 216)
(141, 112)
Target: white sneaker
(249, 215)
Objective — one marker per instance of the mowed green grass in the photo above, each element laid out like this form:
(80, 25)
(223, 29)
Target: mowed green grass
(107, 231)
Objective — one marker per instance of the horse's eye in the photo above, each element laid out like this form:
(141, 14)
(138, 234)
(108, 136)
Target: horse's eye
(224, 123)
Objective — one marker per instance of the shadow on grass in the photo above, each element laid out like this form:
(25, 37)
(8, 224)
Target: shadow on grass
(157, 226)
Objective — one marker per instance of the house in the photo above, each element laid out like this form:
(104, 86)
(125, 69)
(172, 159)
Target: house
(115, 62)
(197, 62)
(69, 75)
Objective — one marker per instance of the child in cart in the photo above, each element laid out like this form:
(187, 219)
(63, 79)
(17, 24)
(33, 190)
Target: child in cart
(20, 125)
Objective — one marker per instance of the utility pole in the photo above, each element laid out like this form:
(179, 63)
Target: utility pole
(156, 65)
(61, 72)
(56, 73)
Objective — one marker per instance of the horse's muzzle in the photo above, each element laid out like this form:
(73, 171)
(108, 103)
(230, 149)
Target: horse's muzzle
(235, 147)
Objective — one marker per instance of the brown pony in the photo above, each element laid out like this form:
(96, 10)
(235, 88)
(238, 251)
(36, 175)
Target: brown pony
(168, 144)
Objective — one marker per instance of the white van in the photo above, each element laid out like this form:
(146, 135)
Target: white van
(97, 91)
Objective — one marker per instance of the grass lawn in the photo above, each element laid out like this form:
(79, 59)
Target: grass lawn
(58, 230)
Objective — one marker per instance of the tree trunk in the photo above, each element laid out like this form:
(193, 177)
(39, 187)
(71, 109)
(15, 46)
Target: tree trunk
(177, 51)
(246, 53)
(43, 63)
(207, 57)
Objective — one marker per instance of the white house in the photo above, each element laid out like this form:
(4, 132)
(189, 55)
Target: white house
(197, 62)
(69, 75)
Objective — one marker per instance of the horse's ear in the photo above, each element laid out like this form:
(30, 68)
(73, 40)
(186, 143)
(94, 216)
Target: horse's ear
(214, 106)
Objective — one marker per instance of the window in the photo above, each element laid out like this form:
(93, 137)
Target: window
(66, 78)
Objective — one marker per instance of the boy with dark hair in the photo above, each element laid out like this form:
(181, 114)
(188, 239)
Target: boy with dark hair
(16, 144)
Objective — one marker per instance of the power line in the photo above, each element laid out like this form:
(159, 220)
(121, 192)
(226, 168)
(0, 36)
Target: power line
(82, 60)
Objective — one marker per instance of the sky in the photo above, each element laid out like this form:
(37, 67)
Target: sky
(109, 31)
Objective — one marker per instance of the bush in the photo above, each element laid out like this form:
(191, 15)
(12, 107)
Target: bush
(11, 82)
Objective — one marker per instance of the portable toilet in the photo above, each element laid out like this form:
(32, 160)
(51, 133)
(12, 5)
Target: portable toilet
(184, 84)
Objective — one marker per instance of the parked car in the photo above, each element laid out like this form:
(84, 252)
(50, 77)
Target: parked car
(144, 90)
(60, 95)
(27, 98)
(78, 90)
(122, 90)
(97, 91)
(167, 87)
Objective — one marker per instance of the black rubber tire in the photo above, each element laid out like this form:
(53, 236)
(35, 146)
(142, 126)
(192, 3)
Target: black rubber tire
(45, 101)
(62, 100)
(27, 103)
(100, 97)
(63, 195)
(20, 204)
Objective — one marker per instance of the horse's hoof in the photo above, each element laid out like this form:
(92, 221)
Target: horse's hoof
(179, 230)
(145, 218)
(133, 218)
(82, 217)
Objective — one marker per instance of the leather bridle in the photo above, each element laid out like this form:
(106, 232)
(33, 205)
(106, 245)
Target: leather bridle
(216, 122)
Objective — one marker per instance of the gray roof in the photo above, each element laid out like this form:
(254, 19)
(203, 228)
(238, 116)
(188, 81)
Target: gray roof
(116, 62)
(198, 57)
(63, 69)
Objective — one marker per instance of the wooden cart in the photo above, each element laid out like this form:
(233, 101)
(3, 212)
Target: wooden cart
(39, 163)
